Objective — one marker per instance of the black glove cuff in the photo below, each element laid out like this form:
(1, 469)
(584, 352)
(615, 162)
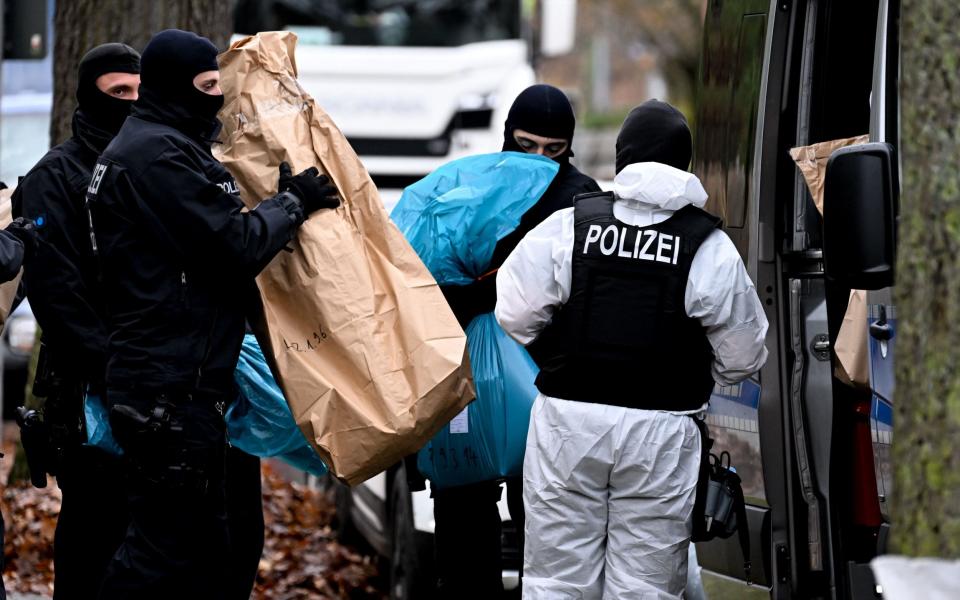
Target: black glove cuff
(292, 205)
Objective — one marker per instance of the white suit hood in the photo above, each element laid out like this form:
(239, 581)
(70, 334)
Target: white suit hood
(659, 186)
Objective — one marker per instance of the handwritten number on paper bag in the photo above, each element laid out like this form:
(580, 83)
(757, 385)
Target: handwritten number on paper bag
(311, 343)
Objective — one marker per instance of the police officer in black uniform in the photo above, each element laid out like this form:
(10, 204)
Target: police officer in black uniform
(467, 535)
(179, 257)
(61, 283)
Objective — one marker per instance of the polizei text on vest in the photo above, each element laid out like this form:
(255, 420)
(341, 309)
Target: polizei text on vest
(633, 242)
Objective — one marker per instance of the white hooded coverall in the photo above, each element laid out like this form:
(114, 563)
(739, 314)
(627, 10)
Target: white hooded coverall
(609, 491)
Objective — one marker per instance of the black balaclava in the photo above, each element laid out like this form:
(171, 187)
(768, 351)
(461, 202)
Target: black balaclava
(171, 60)
(101, 109)
(654, 132)
(541, 110)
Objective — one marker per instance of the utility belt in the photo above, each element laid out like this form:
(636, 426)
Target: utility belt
(174, 396)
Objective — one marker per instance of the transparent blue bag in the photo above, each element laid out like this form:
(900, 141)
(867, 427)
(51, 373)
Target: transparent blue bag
(454, 218)
(487, 440)
(259, 422)
(97, 421)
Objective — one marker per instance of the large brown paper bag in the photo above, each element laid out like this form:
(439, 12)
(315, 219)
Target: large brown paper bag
(853, 364)
(8, 290)
(812, 162)
(851, 346)
(369, 355)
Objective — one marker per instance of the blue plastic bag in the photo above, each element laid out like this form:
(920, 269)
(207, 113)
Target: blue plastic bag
(487, 440)
(97, 420)
(259, 422)
(454, 218)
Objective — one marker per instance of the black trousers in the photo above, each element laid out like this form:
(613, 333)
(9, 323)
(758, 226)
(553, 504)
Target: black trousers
(92, 522)
(515, 507)
(244, 521)
(177, 543)
(467, 539)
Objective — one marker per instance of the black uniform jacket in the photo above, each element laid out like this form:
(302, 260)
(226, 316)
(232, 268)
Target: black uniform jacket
(61, 279)
(11, 256)
(481, 297)
(178, 255)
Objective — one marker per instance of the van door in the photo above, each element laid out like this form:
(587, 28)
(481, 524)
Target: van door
(775, 75)
(732, 66)
(882, 313)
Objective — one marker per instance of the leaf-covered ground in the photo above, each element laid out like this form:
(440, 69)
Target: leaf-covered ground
(301, 557)
(30, 518)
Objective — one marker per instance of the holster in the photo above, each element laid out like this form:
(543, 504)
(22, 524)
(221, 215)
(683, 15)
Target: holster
(35, 438)
(157, 451)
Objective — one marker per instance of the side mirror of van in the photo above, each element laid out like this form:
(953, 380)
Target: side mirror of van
(859, 216)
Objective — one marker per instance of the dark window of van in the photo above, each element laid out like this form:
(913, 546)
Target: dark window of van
(728, 101)
(843, 70)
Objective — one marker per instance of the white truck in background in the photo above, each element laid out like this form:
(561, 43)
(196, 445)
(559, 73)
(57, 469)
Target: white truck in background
(414, 84)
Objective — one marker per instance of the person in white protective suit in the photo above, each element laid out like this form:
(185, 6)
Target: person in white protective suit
(638, 303)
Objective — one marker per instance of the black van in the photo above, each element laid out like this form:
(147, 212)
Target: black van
(813, 452)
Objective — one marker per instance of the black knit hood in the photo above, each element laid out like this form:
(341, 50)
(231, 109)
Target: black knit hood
(541, 110)
(655, 132)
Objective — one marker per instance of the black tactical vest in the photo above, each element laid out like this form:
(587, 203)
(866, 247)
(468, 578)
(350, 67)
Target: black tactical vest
(624, 337)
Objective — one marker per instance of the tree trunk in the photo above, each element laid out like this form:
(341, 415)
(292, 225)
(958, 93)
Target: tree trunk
(927, 419)
(79, 25)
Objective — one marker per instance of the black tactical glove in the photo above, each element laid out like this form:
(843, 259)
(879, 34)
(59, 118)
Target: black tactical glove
(314, 191)
(24, 230)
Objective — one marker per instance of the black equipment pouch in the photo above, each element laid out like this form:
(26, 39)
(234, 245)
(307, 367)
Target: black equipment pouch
(719, 509)
(63, 395)
(35, 438)
(47, 378)
(63, 414)
(50, 433)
